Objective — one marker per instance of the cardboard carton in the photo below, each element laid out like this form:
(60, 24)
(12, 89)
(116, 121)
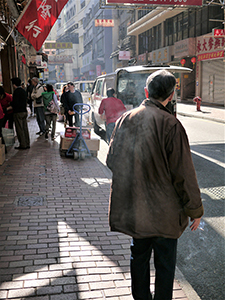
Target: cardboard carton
(2, 154)
(72, 132)
(65, 143)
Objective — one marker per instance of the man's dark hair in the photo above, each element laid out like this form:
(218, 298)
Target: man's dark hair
(160, 85)
(49, 88)
(16, 81)
(2, 91)
(70, 83)
(110, 92)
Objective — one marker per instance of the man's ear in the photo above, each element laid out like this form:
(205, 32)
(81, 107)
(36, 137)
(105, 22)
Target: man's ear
(171, 96)
(146, 92)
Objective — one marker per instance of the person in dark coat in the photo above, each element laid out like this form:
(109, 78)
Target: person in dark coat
(19, 105)
(72, 97)
(154, 187)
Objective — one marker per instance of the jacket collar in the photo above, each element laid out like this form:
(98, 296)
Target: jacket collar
(148, 102)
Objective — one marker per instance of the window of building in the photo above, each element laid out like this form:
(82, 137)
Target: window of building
(185, 25)
(192, 24)
(179, 27)
(174, 29)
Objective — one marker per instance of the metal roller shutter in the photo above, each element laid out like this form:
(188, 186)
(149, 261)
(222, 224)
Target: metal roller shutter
(213, 81)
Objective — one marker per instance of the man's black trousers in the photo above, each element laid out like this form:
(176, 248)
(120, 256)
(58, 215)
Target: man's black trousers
(165, 251)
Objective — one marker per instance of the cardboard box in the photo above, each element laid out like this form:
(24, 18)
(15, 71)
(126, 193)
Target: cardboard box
(65, 143)
(72, 132)
(2, 154)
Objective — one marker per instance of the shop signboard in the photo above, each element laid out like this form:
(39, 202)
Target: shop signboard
(124, 55)
(60, 59)
(55, 45)
(184, 48)
(104, 23)
(158, 2)
(98, 70)
(208, 47)
(160, 55)
(218, 32)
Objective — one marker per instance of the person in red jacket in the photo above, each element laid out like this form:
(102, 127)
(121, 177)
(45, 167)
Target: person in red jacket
(5, 100)
(113, 109)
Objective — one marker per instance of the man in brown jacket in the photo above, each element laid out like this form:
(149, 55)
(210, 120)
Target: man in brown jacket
(154, 187)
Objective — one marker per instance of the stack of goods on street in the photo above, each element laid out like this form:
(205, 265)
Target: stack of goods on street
(2, 152)
(9, 137)
(70, 134)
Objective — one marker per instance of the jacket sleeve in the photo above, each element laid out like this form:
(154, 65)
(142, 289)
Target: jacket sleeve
(101, 108)
(183, 173)
(79, 97)
(65, 101)
(56, 101)
(37, 92)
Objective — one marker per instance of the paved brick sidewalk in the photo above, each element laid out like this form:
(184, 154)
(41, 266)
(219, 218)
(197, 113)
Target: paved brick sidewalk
(61, 248)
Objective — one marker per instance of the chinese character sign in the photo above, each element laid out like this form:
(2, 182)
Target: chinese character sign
(38, 19)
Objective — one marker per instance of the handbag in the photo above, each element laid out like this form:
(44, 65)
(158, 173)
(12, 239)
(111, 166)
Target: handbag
(52, 107)
(39, 100)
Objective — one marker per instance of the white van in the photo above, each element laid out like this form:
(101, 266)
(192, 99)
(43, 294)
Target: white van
(134, 77)
(59, 86)
(85, 88)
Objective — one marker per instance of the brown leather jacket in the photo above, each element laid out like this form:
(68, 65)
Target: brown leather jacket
(154, 188)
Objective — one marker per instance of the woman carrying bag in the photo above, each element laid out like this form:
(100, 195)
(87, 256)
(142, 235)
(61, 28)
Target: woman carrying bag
(51, 108)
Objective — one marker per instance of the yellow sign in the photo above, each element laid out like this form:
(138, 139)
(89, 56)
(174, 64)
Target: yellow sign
(67, 45)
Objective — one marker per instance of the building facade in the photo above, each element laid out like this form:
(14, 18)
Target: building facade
(182, 36)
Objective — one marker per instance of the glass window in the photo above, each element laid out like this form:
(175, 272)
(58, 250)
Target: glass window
(192, 24)
(179, 27)
(174, 29)
(185, 25)
(99, 87)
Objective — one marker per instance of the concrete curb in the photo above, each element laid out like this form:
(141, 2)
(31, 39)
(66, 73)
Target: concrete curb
(201, 117)
(185, 285)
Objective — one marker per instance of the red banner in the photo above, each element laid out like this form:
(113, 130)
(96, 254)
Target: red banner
(158, 2)
(38, 19)
(211, 55)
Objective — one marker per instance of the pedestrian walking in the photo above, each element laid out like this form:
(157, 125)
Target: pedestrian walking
(36, 95)
(154, 187)
(50, 117)
(29, 99)
(113, 108)
(19, 105)
(65, 89)
(72, 97)
(5, 101)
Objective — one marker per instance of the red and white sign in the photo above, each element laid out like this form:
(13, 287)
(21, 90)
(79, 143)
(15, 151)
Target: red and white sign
(104, 23)
(98, 70)
(158, 2)
(218, 32)
(211, 55)
(208, 44)
(124, 55)
(37, 20)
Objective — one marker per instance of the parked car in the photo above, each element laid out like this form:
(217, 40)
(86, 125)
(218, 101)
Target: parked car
(128, 83)
(85, 87)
